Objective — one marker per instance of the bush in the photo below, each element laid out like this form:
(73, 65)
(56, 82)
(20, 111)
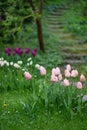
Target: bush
(13, 15)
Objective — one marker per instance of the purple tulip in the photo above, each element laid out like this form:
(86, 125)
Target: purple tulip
(18, 51)
(8, 51)
(27, 50)
(34, 53)
(35, 49)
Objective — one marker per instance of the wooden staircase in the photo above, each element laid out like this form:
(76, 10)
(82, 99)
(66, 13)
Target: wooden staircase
(72, 48)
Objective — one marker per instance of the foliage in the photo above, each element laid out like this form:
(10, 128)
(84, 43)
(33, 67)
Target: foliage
(13, 16)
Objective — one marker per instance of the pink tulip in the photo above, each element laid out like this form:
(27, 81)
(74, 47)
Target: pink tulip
(84, 98)
(67, 73)
(42, 71)
(27, 75)
(68, 67)
(53, 71)
(54, 78)
(60, 77)
(79, 85)
(74, 73)
(82, 78)
(66, 82)
(56, 71)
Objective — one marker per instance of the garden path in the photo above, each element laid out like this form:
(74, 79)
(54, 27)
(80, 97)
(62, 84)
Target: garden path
(72, 48)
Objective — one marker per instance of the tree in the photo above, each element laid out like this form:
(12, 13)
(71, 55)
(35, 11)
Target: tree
(38, 22)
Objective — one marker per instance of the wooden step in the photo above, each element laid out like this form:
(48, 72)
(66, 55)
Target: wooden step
(70, 61)
(69, 56)
(61, 8)
(66, 36)
(56, 13)
(54, 17)
(55, 22)
(68, 41)
(75, 55)
(56, 26)
(57, 30)
(76, 48)
(56, 8)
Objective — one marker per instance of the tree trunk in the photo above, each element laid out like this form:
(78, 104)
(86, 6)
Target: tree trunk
(85, 11)
(39, 23)
(40, 35)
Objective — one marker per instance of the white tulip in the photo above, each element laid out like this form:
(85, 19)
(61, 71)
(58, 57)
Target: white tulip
(20, 62)
(16, 65)
(11, 63)
(28, 64)
(29, 59)
(31, 62)
(37, 66)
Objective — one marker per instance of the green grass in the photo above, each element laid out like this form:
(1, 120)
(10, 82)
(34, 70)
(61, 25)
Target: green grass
(14, 116)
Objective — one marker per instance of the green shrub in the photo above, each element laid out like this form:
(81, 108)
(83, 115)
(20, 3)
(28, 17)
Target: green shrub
(13, 15)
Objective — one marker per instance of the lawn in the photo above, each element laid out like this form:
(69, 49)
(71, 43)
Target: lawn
(16, 115)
